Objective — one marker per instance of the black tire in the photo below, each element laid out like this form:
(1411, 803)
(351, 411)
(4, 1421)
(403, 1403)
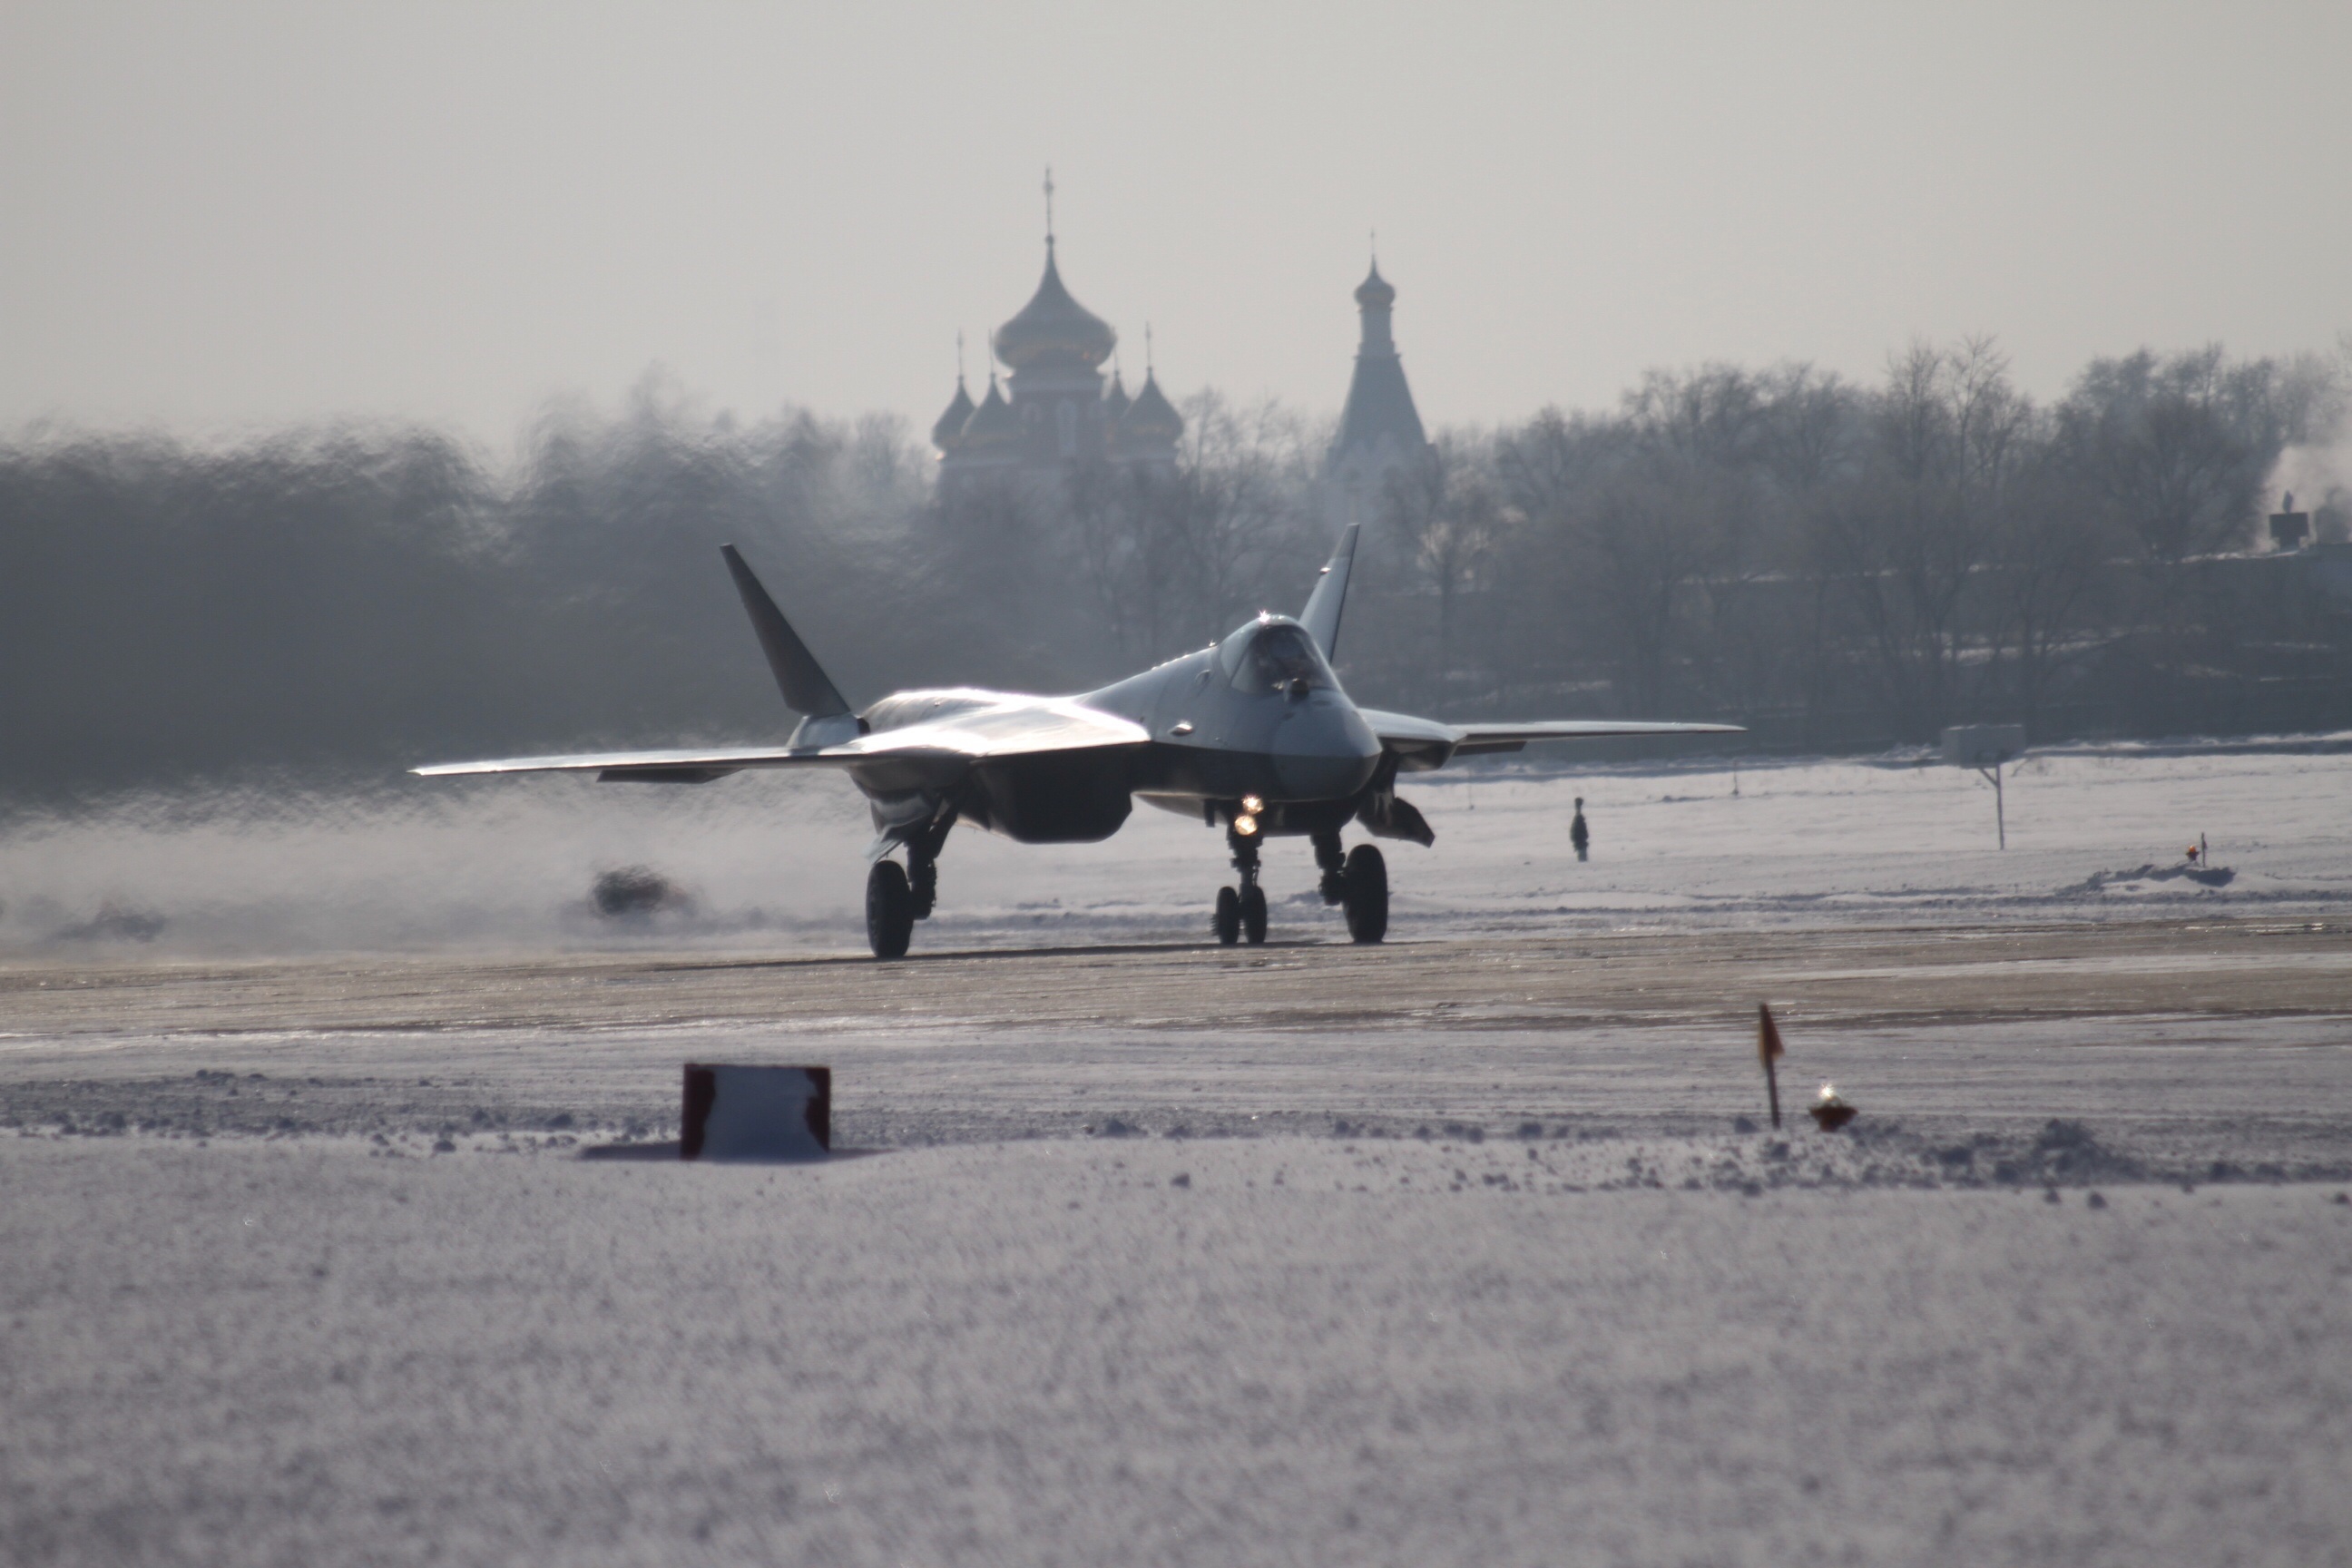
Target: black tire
(1253, 914)
(1368, 894)
(890, 909)
(1227, 922)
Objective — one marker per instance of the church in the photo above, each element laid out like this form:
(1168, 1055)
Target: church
(1051, 414)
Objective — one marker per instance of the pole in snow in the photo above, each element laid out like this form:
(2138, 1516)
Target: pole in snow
(1985, 747)
(2000, 812)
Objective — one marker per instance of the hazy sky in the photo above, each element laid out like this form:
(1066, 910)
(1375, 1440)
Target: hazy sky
(230, 214)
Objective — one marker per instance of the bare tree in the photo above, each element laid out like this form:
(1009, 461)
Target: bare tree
(1446, 510)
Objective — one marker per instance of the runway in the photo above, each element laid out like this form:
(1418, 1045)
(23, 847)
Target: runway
(1474, 1246)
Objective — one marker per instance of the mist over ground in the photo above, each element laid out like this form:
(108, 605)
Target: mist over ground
(767, 863)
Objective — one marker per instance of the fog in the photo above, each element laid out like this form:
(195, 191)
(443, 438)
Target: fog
(241, 216)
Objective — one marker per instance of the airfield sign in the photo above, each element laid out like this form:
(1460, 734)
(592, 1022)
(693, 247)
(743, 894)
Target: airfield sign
(1986, 747)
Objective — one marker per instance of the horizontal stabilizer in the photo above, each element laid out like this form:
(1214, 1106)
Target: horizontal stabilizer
(808, 691)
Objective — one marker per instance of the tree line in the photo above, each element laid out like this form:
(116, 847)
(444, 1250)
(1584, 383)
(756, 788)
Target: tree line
(1839, 565)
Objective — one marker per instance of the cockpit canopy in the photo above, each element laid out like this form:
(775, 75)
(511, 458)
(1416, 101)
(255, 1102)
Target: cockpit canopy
(1273, 653)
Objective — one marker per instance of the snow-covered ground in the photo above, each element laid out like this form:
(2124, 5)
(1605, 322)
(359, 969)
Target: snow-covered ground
(1210, 1257)
(1274, 1351)
(774, 862)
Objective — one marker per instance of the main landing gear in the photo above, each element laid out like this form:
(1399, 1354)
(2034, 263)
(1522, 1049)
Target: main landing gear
(1357, 878)
(897, 897)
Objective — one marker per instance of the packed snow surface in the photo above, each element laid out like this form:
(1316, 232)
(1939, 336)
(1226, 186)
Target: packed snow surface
(1155, 1352)
(1474, 1249)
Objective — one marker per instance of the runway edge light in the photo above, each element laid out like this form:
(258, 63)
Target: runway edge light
(759, 1113)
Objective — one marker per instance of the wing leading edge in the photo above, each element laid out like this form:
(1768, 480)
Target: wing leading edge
(1424, 743)
(973, 727)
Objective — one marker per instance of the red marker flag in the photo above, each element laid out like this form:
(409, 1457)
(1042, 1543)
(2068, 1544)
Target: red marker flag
(1768, 1050)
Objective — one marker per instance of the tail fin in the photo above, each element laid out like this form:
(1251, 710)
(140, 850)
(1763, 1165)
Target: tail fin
(807, 691)
(1321, 616)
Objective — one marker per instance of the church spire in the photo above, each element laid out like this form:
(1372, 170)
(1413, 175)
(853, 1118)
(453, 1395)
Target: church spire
(947, 435)
(1379, 421)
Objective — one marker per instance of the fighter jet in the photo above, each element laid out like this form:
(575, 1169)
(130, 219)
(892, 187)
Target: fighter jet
(1252, 734)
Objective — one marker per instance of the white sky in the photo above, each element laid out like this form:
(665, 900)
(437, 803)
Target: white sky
(222, 215)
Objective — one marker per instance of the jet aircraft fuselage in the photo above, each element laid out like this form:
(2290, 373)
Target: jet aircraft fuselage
(1254, 734)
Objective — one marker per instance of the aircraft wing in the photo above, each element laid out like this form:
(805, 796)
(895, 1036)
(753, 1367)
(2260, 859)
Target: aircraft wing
(1481, 738)
(1424, 743)
(971, 730)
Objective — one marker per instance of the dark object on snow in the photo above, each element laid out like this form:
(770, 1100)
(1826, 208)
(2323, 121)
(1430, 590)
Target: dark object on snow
(635, 893)
(2194, 869)
(756, 1113)
(1580, 834)
(2289, 528)
(1831, 1111)
(1769, 1051)
(115, 923)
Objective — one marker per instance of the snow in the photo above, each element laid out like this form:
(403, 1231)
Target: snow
(1468, 1249)
(1153, 1352)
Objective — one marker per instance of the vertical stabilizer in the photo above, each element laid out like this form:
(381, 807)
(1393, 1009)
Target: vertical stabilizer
(1321, 616)
(807, 690)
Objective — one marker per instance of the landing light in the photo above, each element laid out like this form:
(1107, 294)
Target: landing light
(1246, 825)
(1252, 805)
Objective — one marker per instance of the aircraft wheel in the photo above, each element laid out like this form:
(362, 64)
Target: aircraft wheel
(1253, 914)
(1227, 922)
(1368, 894)
(890, 909)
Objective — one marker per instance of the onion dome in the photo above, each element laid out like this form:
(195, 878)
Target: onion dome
(1116, 403)
(993, 424)
(1150, 420)
(1053, 326)
(948, 434)
(1375, 292)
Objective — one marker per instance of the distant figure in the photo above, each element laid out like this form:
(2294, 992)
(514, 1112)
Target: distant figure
(1578, 834)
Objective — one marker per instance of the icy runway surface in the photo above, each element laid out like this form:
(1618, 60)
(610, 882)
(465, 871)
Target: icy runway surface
(1468, 1248)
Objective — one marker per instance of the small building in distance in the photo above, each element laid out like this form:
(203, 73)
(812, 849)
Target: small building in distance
(1052, 414)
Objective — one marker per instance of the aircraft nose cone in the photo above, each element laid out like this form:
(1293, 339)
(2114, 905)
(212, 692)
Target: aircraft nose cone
(1325, 753)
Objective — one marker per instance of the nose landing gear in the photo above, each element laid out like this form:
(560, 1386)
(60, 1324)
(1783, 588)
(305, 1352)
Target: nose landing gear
(1241, 913)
